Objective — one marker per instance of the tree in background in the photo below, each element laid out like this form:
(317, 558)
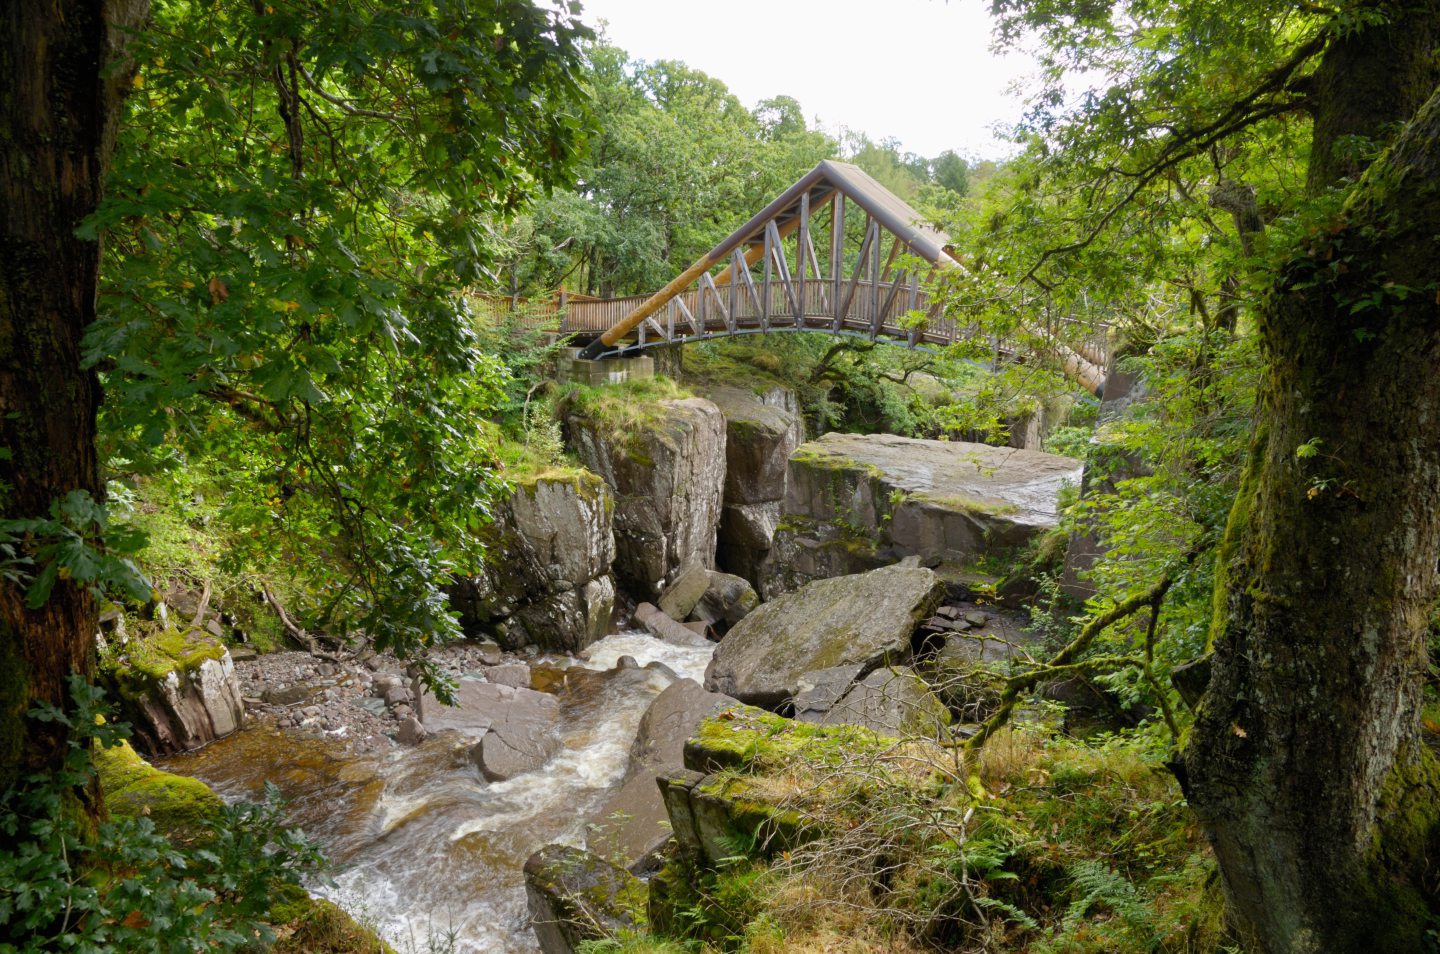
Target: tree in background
(299, 192)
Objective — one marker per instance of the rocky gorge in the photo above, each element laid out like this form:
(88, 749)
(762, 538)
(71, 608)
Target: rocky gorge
(707, 561)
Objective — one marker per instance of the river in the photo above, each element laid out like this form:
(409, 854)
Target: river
(424, 849)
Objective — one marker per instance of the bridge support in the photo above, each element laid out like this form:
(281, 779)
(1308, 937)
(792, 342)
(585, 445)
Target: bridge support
(571, 367)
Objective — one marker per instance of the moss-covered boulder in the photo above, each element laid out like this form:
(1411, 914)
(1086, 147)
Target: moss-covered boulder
(865, 620)
(177, 689)
(855, 501)
(547, 581)
(309, 925)
(182, 808)
(575, 896)
(665, 463)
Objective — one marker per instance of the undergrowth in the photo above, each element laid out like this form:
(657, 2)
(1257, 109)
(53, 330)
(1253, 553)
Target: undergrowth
(1078, 848)
(121, 885)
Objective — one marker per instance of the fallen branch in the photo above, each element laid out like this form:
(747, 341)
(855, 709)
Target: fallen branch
(200, 610)
(311, 643)
(1068, 659)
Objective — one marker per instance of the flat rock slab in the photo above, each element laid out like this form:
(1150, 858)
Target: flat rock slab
(685, 590)
(819, 691)
(660, 625)
(864, 620)
(481, 705)
(1020, 486)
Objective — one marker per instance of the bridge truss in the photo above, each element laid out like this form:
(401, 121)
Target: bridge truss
(837, 252)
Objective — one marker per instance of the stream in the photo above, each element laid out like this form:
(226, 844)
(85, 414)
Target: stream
(423, 849)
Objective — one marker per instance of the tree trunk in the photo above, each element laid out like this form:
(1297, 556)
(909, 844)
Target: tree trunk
(57, 121)
(1305, 763)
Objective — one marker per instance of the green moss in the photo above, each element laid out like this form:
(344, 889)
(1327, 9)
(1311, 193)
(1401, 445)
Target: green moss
(307, 925)
(966, 504)
(147, 660)
(583, 482)
(618, 410)
(753, 739)
(183, 808)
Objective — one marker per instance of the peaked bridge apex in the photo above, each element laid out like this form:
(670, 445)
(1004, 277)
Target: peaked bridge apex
(895, 214)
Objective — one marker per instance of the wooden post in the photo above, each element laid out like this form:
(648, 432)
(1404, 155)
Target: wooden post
(837, 256)
(800, 264)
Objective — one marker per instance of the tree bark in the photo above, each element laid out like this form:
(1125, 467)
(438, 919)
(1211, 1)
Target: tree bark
(58, 112)
(1305, 763)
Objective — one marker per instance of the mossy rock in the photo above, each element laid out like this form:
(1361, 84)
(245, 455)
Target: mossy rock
(147, 661)
(752, 739)
(575, 896)
(182, 808)
(306, 925)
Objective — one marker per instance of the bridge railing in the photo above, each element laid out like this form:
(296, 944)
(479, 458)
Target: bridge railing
(870, 309)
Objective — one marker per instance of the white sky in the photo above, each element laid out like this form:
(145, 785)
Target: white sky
(919, 71)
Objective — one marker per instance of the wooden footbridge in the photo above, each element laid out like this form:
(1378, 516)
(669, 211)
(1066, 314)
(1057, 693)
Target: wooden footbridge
(837, 253)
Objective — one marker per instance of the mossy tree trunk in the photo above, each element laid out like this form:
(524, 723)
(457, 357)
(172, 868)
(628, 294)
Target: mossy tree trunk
(1305, 763)
(58, 109)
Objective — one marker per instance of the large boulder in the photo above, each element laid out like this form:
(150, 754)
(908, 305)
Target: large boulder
(575, 896)
(762, 430)
(667, 475)
(547, 579)
(865, 620)
(892, 700)
(177, 688)
(631, 826)
(854, 502)
(728, 599)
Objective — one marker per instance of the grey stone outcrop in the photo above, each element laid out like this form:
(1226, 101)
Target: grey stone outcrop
(892, 700)
(865, 620)
(179, 690)
(667, 477)
(854, 502)
(632, 825)
(547, 579)
(761, 432)
(514, 728)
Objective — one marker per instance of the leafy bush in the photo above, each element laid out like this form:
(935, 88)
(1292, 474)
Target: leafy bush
(123, 886)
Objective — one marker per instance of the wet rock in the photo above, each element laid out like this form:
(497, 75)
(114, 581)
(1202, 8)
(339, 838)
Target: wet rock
(575, 896)
(854, 502)
(865, 620)
(661, 626)
(667, 477)
(632, 825)
(549, 582)
(892, 701)
(685, 590)
(479, 705)
(411, 731)
(290, 695)
(727, 600)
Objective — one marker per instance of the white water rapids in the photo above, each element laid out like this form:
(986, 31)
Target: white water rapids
(424, 849)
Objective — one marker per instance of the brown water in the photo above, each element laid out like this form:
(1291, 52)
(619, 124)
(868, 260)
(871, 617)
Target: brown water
(422, 845)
